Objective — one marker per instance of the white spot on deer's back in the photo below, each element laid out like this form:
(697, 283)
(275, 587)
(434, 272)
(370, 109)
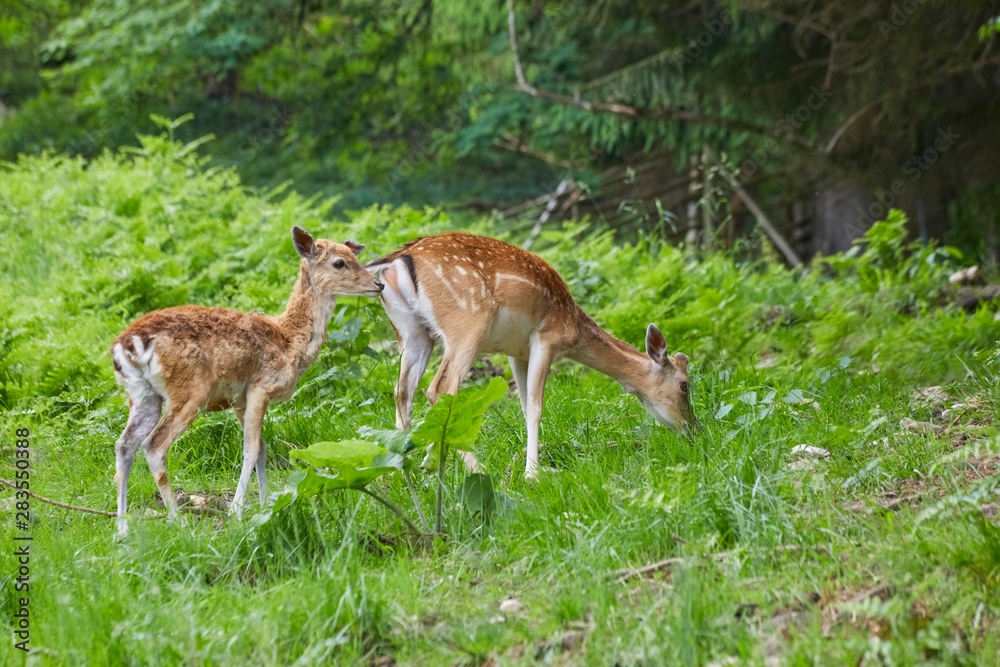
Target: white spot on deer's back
(511, 276)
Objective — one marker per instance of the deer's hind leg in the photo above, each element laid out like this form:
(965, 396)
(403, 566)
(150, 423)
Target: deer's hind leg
(415, 343)
(144, 412)
(176, 419)
(459, 352)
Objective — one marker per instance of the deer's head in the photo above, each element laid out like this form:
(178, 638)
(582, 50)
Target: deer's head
(663, 390)
(334, 267)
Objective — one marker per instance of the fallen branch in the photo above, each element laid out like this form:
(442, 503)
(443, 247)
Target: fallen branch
(764, 221)
(970, 298)
(624, 574)
(78, 508)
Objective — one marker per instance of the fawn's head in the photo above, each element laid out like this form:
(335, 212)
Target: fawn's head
(334, 267)
(664, 389)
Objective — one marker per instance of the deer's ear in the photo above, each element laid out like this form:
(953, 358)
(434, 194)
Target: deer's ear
(304, 243)
(681, 361)
(356, 248)
(656, 344)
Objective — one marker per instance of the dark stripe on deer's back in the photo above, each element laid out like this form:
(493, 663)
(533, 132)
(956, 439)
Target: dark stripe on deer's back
(411, 269)
(379, 262)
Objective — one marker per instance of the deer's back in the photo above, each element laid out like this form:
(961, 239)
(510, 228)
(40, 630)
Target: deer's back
(461, 267)
(226, 343)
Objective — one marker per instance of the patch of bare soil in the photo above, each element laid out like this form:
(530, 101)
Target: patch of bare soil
(563, 648)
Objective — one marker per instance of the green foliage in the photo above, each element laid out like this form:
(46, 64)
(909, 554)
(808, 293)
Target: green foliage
(408, 101)
(454, 422)
(87, 246)
(480, 497)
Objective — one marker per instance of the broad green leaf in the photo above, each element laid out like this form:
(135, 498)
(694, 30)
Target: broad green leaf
(310, 482)
(348, 477)
(455, 421)
(394, 440)
(354, 453)
(724, 410)
(300, 485)
(794, 396)
(478, 495)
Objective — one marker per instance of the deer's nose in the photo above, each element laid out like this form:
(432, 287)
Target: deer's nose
(381, 286)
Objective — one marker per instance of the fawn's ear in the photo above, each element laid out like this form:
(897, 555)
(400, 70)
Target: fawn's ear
(356, 248)
(656, 344)
(681, 361)
(304, 243)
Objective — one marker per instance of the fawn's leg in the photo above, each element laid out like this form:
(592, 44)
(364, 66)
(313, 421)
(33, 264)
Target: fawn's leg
(175, 421)
(144, 413)
(253, 446)
(261, 458)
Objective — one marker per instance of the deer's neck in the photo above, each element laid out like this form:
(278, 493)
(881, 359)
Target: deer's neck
(603, 352)
(305, 320)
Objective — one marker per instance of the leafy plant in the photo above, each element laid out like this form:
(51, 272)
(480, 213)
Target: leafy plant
(453, 422)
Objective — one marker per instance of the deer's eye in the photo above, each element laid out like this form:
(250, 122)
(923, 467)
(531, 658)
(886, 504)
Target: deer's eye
(339, 264)
(684, 387)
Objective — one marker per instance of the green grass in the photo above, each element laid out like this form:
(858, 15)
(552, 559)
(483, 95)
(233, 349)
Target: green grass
(819, 565)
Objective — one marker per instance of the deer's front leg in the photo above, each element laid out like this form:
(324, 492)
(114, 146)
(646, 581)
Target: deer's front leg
(261, 457)
(253, 446)
(538, 370)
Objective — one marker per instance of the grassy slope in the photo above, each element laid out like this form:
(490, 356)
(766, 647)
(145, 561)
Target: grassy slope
(795, 565)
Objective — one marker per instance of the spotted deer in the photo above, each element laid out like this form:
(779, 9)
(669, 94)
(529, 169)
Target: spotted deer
(190, 359)
(476, 294)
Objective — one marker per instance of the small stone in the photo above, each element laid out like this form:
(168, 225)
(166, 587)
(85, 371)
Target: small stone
(572, 640)
(929, 396)
(815, 406)
(802, 464)
(965, 276)
(920, 427)
(810, 451)
(728, 660)
(511, 606)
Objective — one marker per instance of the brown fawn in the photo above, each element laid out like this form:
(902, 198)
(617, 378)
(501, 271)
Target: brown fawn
(192, 359)
(477, 294)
